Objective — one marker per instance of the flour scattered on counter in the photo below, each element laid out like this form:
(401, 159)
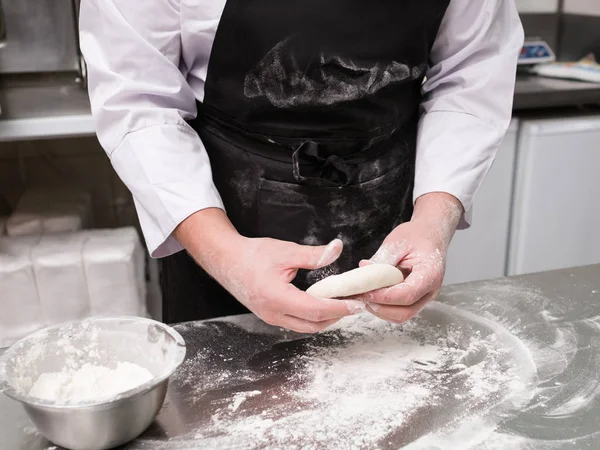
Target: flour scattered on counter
(566, 362)
(373, 385)
(90, 382)
(240, 398)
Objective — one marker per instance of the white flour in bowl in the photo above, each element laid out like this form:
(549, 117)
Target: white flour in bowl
(90, 382)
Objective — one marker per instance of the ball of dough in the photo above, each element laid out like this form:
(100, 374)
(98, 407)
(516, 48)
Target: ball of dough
(357, 281)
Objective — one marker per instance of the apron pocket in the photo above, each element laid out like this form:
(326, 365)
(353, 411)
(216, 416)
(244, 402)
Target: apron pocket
(360, 214)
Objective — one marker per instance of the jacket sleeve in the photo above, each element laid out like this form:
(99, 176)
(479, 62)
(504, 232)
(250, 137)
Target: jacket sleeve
(467, 97)
(140, 103)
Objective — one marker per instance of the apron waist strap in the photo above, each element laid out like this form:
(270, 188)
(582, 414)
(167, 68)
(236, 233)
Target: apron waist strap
(329, 162)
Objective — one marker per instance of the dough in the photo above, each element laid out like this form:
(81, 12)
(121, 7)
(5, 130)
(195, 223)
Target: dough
(357, 281)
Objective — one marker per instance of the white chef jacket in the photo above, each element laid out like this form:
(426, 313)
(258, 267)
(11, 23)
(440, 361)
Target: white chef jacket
(147, 65)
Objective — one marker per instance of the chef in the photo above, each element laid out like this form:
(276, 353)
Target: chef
(270, 143)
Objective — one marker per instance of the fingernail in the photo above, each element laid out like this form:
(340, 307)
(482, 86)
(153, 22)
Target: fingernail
(374, 306)
(355, 307)
(331, 253)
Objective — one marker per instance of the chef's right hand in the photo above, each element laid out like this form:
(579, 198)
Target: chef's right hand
(259, 272)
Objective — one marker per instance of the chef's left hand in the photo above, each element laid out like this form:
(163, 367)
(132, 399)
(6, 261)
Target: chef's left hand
(419, 249)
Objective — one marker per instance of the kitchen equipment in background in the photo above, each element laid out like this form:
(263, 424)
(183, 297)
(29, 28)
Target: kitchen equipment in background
(40, 37)
(5, 211)
(50, 279)
(557, 195)
(102, 424)
(480, 252)
(536, 51)
(586, 69)
(46, 210)
(2, 27)
(41, 69)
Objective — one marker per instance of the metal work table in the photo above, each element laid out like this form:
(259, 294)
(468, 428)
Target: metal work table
(556, 315)
(533, 92)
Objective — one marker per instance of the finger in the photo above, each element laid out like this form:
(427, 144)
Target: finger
(368, 262)
(390, 253)
(305, 326)
(314, 257)
(399, 314)
(421, 281)
(304, 306)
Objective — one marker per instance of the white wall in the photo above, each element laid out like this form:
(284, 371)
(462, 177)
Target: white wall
(584, 7)
(539, 6)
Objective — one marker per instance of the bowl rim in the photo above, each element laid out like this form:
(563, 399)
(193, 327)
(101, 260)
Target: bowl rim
(178, 356)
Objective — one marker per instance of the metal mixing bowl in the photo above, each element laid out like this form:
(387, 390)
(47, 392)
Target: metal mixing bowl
(103, 423)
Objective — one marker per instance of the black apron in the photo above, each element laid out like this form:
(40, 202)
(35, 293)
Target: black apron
(310, 120)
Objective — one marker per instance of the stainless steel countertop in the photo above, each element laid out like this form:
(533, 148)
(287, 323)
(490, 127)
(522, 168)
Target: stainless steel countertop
(555, 314)
(533, 92)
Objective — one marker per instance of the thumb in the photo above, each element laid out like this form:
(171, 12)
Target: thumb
(315, 257)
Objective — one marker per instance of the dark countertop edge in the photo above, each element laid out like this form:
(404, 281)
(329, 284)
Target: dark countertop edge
(566, 93)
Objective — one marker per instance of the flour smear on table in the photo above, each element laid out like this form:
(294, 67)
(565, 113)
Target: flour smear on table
(563, 340)
(388, 386)
(381, 386)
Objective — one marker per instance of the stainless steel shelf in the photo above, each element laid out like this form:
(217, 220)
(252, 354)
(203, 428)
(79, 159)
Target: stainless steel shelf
(42, 107)
(46, 128)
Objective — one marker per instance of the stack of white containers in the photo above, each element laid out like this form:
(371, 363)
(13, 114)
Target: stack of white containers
(21, 312)
(57, 274)
(50, 210)
(113, 263)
